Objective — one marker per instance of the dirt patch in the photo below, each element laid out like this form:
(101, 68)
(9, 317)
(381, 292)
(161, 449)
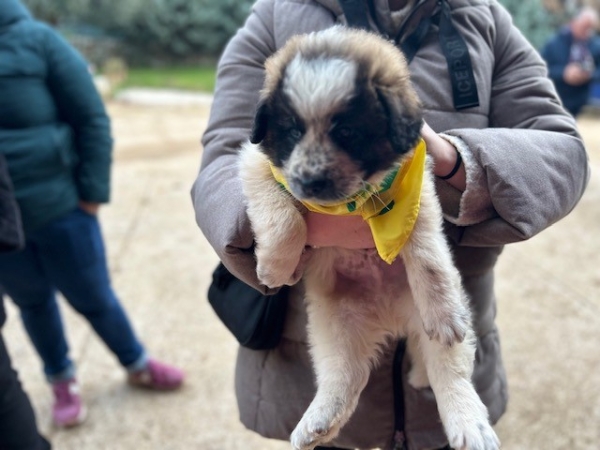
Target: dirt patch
(156, 131)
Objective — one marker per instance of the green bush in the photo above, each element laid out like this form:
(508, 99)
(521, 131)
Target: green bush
(171, 30)
(167, 30)
(183, 28)
(534, 21)
(47, 10)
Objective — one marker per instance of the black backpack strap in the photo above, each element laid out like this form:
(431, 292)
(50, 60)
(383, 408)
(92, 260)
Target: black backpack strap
(411, 44)
(454, 47)
(464, 86)
(356, 13)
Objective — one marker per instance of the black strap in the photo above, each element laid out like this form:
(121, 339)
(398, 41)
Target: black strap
(410, 46)
(408, 23)
(356, 13)
(464, 86)
(454, 47)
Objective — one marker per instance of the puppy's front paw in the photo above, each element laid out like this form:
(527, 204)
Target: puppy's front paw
(278, 252)
(273, 274)
(276, 268)
(447, 322)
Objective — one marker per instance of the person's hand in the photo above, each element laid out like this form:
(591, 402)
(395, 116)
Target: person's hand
(324, 230)
(90, 208)
(444, 157)
(576, 75)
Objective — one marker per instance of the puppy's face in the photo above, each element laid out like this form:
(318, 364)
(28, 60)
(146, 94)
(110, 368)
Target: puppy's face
(333, 117)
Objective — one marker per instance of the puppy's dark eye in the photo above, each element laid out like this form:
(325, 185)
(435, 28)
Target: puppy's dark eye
(290, 126)
(343, 132)
(295, 133)
(346, 132)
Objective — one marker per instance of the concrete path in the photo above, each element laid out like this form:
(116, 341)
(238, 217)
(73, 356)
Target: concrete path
(548, 312)
(162, 97)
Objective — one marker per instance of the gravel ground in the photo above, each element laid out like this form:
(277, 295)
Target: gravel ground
(548, 311)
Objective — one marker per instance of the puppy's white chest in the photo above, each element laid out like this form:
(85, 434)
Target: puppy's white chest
(364, 270)
(360, 275)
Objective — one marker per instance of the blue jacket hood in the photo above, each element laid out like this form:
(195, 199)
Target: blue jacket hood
(12, 11)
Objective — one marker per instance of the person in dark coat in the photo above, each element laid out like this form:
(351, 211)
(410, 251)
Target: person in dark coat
(18, 428)
(573, 58)
(55, 136)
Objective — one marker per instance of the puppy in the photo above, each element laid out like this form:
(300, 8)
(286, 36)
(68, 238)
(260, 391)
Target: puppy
(338, 129)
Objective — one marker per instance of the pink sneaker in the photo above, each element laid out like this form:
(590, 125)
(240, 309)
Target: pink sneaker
(68, 409)
(158, 376)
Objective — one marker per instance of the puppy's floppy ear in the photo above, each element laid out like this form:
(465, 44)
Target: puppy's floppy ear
(405, 119)
(261, 122)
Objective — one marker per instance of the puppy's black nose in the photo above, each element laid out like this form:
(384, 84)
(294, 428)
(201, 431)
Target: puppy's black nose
(314, 186)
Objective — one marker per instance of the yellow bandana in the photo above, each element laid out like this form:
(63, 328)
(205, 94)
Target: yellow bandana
(390, 209)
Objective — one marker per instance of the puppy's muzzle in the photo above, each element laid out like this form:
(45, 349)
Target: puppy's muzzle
(312, 186)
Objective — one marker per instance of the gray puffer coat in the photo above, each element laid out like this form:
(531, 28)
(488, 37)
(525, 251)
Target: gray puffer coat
(526, 169)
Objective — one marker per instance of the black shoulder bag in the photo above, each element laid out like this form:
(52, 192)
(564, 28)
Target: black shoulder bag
(256, 320)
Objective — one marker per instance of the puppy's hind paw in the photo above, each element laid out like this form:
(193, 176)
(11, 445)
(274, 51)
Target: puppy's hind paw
(307, 439)
(478, 436)
(313, 430)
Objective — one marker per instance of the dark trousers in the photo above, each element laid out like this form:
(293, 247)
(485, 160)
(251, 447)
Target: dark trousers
(67, 255)
(18, 429)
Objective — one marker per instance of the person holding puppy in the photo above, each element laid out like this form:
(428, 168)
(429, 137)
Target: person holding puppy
(508, 159)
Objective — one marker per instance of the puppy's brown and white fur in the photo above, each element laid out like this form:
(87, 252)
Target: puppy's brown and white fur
(338, 110)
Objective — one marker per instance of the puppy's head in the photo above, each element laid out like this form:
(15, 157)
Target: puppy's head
(337, 111)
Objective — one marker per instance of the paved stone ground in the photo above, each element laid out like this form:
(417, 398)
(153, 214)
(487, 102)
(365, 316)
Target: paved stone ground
(548, 312)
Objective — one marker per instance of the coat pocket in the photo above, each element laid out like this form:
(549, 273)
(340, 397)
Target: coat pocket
(38, 153)
(64, 141)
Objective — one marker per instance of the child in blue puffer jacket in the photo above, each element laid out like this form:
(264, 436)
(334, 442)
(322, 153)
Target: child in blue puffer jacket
(55, 136)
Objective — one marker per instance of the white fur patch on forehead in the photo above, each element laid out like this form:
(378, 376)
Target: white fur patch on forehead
(317, 85)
